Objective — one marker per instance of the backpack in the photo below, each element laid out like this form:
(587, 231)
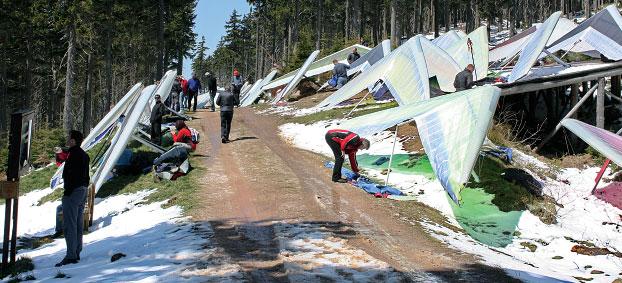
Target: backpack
(196, 138)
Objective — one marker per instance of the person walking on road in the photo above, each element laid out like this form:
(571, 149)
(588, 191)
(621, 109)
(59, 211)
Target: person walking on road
(226, 101)
(343, 142)
(156, 120)
(76, 177)
(236, 84)
(212, 87)
(194, 86)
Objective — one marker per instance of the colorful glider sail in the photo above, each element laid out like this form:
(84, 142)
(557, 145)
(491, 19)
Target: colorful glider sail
(451, 147)
(476, 54)
(296, 79)
(601, 33)
(322, 65)
(607, 143)
(403, 71)
(534, 47)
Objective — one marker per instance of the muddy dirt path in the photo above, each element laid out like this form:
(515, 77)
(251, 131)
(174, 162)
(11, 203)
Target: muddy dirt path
(258, 184)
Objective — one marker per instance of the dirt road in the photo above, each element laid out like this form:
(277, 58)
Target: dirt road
(264, 199)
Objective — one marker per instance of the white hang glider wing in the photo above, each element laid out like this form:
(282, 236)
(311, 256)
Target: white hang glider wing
(601, 33)
(254, 94)
(296, 79)
(105, 126)
(452, 147)
(606, 142)
(534, 47)
(448, 39)
(323, 65)
(403, 71)
(477, 55)
(121, 138)
(440, 64)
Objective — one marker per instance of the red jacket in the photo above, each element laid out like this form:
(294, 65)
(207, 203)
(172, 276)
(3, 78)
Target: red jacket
(184, 136)
(349, 143)
(184, 86)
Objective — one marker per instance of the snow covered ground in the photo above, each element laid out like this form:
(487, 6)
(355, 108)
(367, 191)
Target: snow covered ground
(159, 243)
(583, 217)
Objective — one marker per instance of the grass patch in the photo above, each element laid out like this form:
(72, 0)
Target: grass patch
(338, 113)
(21, 265)
(531, 247)
(179, 192)
(509, 196)
(36, 180)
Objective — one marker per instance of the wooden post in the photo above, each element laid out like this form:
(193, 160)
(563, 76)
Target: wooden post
(574, 98)
(616, 88)
(600, 104)
(574, 109)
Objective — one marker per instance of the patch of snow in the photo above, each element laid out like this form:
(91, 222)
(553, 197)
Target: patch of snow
(160, 244)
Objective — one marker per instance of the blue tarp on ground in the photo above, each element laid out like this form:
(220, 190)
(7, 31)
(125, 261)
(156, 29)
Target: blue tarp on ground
(364, 183)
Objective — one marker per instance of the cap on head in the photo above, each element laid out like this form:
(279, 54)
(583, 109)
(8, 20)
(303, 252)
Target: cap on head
(364, 144)
(236, 73)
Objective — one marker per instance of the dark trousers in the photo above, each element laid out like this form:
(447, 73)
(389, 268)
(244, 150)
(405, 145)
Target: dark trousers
(192, 95)
(73, 221)
(225, 124)
(212, 95)
(236, 91)
(336, 148)
(156, 132)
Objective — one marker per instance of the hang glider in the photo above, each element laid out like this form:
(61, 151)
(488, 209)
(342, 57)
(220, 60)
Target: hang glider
(371, 57)
(602, 33)
(403, 71)
(163, 89)
(477, 55)
(122, 137)
(440, 65)
(507, 50)
(254, 85)
(534, 47)
(105, 126)
(296, 79)
(607, 143)
(320, 66)
(448, 39)
(451, 146)
(254, 94)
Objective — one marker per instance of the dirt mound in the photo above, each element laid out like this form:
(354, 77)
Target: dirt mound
(584, 250)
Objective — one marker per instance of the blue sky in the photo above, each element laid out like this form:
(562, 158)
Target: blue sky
(210, 22)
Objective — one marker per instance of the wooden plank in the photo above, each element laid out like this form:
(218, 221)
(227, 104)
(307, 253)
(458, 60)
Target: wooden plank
(539, 84)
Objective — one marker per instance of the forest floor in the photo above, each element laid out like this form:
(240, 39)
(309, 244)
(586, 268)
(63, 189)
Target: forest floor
(276, 216)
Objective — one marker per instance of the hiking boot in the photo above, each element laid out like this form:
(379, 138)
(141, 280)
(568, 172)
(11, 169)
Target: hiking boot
(66, 261)
(340, 180)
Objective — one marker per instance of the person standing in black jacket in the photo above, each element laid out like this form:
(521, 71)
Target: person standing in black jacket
(212, 86)
(156, 121)
(226, 101)
(176, 94)
(76, 178)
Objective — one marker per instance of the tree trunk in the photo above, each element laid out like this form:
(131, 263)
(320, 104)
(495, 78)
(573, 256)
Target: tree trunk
(108, 59)
(160, 60)
(512, 19)
(68, 119)
(586, 8)
(88, 93)
(394, 39)
(346, 23)
(318, 25)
